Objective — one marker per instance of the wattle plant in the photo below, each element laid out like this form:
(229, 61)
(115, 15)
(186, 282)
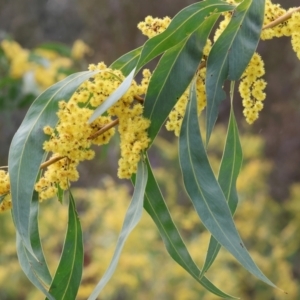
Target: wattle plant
(85, 108)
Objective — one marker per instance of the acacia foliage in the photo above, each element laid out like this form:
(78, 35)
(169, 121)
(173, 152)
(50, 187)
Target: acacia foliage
(215, 199)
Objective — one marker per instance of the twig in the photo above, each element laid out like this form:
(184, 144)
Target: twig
(281, 19)
(104, 128)
(202, 65)
(4, 167)
(139, 98)
(51, 161)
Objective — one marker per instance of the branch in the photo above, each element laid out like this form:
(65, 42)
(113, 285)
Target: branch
(139, 98)
(51, 161)
(202, 65)
(281, 19)
(104, 128)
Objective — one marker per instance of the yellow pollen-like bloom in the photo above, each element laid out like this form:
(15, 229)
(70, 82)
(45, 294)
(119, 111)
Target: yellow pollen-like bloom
(80, 49)
(5, 202)
(294, 23)
(44, 65)
(70, 141)
(251, 88)
(154, 26)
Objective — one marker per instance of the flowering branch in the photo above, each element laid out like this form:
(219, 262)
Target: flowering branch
(93, 136)
(282, 18)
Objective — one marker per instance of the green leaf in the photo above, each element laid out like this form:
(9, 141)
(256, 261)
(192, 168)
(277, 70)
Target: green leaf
(182, 25)
(205, 192)
(67, 278)
(247, 37)
(133, 216)
(231, 54)
(60, 193)
(156, 207)
(113, 98)
(229, 170)
(26, 152)
(36, 271)
(173, 74)
(127, 62)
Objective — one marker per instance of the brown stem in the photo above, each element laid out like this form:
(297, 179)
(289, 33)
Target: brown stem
(104, 128)
(282, 18)
(4, 167)
(139, 98)
(202, 65)
(51, 161)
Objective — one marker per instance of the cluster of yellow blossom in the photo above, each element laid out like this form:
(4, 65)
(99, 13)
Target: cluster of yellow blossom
(128, 110)
(45, 65)
(273, 12)
(251, 88)
(5, 197)
(70, 141)
(289, 27)
(294, 23)
(18, 57)
(153, 26)
(80, 49)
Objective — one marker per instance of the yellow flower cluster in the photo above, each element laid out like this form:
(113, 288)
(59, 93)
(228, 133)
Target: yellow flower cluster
(71, 139)
(294, 23)
(251, 88)
(5, 197)
(18, 57)
(290, 27)
(132, 126)
(273, 12)
(80, 49)
(45, 69)
(153, 26)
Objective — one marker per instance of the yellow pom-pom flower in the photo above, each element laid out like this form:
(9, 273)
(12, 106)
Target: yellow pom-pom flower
(5, 203)
(251, 88)
(153, 26)
(80, 49)
(294, 23)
